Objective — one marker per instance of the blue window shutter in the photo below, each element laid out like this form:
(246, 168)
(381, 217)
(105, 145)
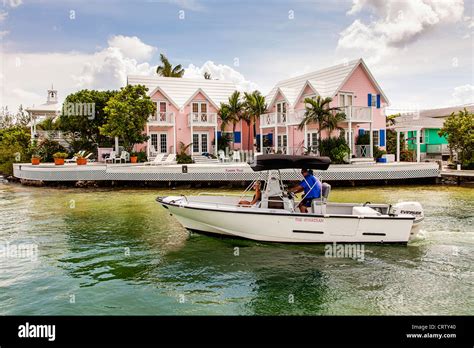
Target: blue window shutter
(219, 135)
(369, 99)
(382, 137)
(361, 131)
(258, 139)
(378, 101)
(270, 138)
(237, 137)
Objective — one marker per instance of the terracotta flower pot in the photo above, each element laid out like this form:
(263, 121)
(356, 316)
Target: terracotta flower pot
(133, 159)
(59, 161)
(81, 161)
(35, 161)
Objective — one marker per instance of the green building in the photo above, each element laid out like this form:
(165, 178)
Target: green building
(420, 130)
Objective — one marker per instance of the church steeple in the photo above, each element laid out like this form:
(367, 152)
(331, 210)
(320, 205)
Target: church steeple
(52, 95)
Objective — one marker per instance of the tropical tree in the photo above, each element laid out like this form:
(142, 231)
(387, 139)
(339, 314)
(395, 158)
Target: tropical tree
(317, 111)
(14, 147)
(392, 120)
(84, 129)
(459, 131)
(391, 143)
(48, 124)
(232, 112)
(254, 106)
(6, 118)
(127, 114)
(167, 70)
(331, 122)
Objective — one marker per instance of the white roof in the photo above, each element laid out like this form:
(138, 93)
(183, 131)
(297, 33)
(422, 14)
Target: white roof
(181, 90)
(429, 118)
(47, 107)
(445, 112)
(326, 82)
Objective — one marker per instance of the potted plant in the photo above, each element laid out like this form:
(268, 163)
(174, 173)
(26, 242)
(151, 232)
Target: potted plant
(59, 158)
(81, 160)
(133, 157)
(35, 159)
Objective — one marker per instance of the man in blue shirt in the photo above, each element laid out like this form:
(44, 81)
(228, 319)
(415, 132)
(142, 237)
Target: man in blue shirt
(311, 187)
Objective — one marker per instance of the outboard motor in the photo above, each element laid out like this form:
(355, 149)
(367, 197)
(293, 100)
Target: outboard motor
(410, 208)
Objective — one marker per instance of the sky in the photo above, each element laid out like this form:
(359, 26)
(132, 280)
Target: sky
(420, 51)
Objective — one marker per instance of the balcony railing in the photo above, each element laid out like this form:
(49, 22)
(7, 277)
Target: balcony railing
(437, 149)
(162, 118)
(357, 113)
(274, 119)
(202, 119)
(362, 151)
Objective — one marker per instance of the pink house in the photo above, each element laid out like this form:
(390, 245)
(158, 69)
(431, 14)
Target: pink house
(352, 88)
(187, 112)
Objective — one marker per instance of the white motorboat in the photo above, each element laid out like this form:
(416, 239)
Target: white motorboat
(276, 217)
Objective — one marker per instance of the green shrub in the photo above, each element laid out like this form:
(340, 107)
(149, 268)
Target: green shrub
(14, 147)
(141, 156)
(47, 148)
(407, 155)
(378, 153)
(60, 155)
(363, 139)
(184, 158)
(335, 148)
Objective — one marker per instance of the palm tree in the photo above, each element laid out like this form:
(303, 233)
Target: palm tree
(254, 107)
(392, 120)
(235, 108)
(167, 70)
(331, 123)
(317, 111)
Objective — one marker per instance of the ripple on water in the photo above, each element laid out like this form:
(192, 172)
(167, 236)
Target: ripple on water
(118, 252)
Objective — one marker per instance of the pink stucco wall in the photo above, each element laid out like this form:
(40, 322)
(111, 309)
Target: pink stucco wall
(360, 84)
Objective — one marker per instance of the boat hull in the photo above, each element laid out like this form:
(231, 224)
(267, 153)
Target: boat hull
(282, 226)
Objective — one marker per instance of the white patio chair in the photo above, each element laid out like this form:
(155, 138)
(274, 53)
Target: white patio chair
(236, 156)
(124, 156)
(222, 156)
(112, 157)
(70, 160)
(171, 159)
(157, 160)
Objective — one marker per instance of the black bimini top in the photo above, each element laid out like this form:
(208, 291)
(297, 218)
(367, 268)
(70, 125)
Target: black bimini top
(268, 162)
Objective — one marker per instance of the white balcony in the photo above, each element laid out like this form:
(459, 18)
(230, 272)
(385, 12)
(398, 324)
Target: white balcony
(357, 113)
(162, 119)
(202, 119)
(275, 119)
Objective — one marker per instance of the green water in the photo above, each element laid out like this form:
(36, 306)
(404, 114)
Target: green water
(117, 252)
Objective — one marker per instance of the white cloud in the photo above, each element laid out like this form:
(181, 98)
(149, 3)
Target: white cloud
(12, 3)
(396, 24)
(27, 76)
(3, 16)
(192, 5)
(132, 47)
(220, 72)
(463, 95)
